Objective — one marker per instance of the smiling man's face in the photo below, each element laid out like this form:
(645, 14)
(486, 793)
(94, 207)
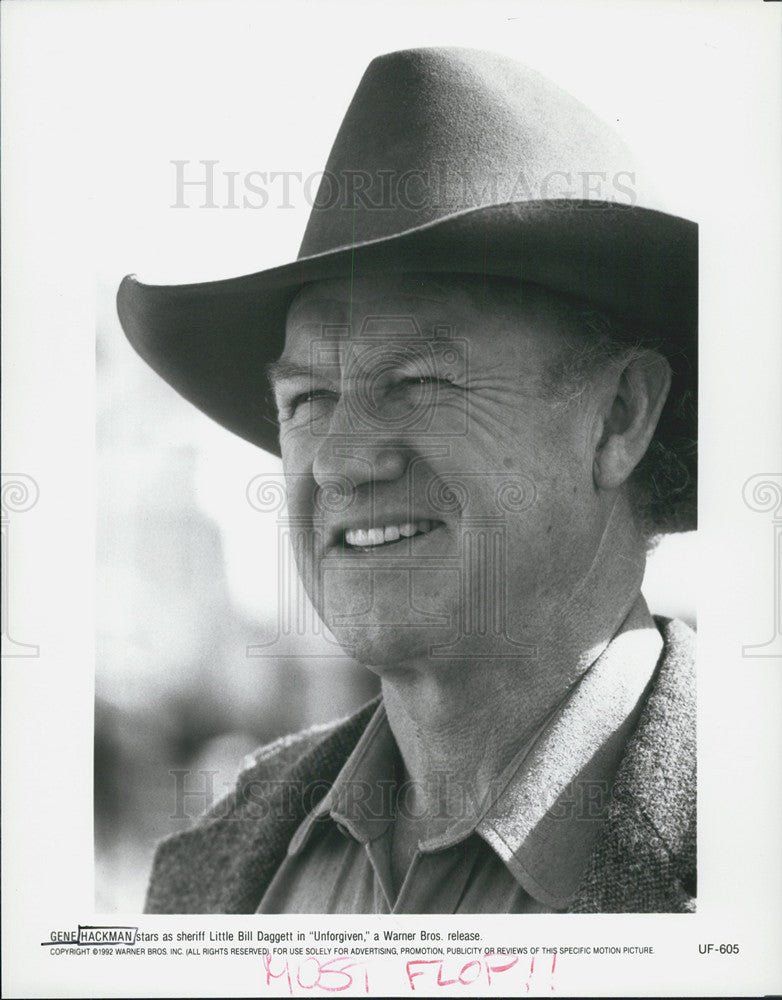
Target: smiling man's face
(442, 501)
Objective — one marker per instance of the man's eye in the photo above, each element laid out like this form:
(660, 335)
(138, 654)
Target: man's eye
(303, 399)
(429, 386)
(418, 380)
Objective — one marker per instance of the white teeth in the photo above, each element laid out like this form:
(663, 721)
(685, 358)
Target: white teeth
(368, 537)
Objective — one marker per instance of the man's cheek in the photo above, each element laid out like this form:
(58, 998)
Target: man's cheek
(305, 550)
(300, 487)
(497, 416)
(299, 507)
(288, 444)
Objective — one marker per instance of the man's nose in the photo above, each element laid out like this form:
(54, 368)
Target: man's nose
(358, 451)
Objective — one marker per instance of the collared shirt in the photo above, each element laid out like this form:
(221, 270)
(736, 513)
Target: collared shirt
(521, 847)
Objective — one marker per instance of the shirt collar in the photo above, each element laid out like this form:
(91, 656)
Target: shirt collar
(544, 823)
(545, 809)
(361, 800)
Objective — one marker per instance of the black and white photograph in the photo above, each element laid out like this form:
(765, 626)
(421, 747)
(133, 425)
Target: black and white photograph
(391, 498)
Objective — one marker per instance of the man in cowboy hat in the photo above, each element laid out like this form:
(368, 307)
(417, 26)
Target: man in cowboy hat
(482, 385)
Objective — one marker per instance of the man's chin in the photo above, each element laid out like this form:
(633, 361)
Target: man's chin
(383, 647)
(380, 622)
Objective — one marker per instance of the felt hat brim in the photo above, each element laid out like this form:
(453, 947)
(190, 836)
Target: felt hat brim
(212, 341)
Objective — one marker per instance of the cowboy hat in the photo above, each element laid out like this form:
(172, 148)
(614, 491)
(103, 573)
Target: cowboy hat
(448, 160)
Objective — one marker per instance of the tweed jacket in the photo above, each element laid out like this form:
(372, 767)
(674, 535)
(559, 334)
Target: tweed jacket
(643, 860)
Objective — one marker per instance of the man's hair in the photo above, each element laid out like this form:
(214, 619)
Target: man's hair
(663, 486)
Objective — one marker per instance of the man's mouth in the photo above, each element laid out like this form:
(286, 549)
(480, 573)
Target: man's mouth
(368, 539)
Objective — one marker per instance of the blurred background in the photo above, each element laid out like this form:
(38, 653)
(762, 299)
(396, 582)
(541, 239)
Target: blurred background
(188, 569)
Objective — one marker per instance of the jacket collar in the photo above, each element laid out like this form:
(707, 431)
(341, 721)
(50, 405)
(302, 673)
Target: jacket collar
(645, 857)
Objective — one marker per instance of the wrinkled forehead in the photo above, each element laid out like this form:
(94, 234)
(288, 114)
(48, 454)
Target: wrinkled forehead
(428, 306)
(343, 302)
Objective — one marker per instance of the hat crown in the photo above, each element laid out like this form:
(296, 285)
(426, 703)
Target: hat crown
(435, 131)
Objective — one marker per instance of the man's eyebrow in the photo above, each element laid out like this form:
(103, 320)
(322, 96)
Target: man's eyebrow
(281, 370)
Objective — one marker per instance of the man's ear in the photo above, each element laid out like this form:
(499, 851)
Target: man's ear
(630, 417)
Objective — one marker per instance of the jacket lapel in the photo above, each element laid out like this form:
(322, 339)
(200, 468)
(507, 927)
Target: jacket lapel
(644, 859)
(224, 864)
